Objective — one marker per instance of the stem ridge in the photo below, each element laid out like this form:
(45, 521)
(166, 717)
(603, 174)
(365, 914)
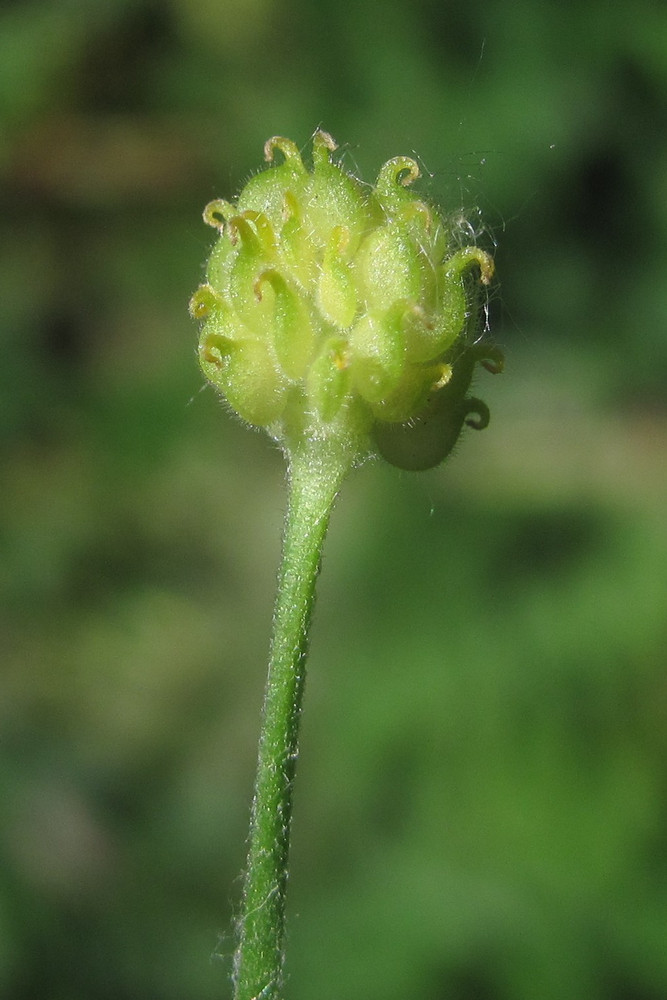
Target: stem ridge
(313, 483)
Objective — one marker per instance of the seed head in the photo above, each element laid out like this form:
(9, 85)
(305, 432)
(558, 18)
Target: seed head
(335, 308)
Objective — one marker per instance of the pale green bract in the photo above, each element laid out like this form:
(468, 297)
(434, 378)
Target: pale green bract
(332, 308)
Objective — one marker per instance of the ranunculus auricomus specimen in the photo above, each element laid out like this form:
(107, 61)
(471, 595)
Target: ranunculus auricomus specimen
(345, 320)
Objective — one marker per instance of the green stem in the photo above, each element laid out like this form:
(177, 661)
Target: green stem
(314, 479)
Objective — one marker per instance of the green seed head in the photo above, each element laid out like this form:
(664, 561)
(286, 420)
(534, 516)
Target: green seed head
(335, 310)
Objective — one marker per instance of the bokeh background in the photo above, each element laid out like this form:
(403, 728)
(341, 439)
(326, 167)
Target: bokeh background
(482, 795)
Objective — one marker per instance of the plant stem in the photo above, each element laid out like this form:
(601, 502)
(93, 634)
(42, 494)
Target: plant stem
(313, 480)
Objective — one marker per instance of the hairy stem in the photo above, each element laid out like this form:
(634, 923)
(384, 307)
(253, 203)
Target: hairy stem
(314, 479)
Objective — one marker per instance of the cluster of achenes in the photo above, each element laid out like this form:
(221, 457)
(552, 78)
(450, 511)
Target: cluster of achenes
(332, 308)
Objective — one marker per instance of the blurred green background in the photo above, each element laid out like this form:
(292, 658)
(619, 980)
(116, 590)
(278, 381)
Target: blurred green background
(482, 796)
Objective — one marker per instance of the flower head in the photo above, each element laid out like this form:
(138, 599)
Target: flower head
(334, 308)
